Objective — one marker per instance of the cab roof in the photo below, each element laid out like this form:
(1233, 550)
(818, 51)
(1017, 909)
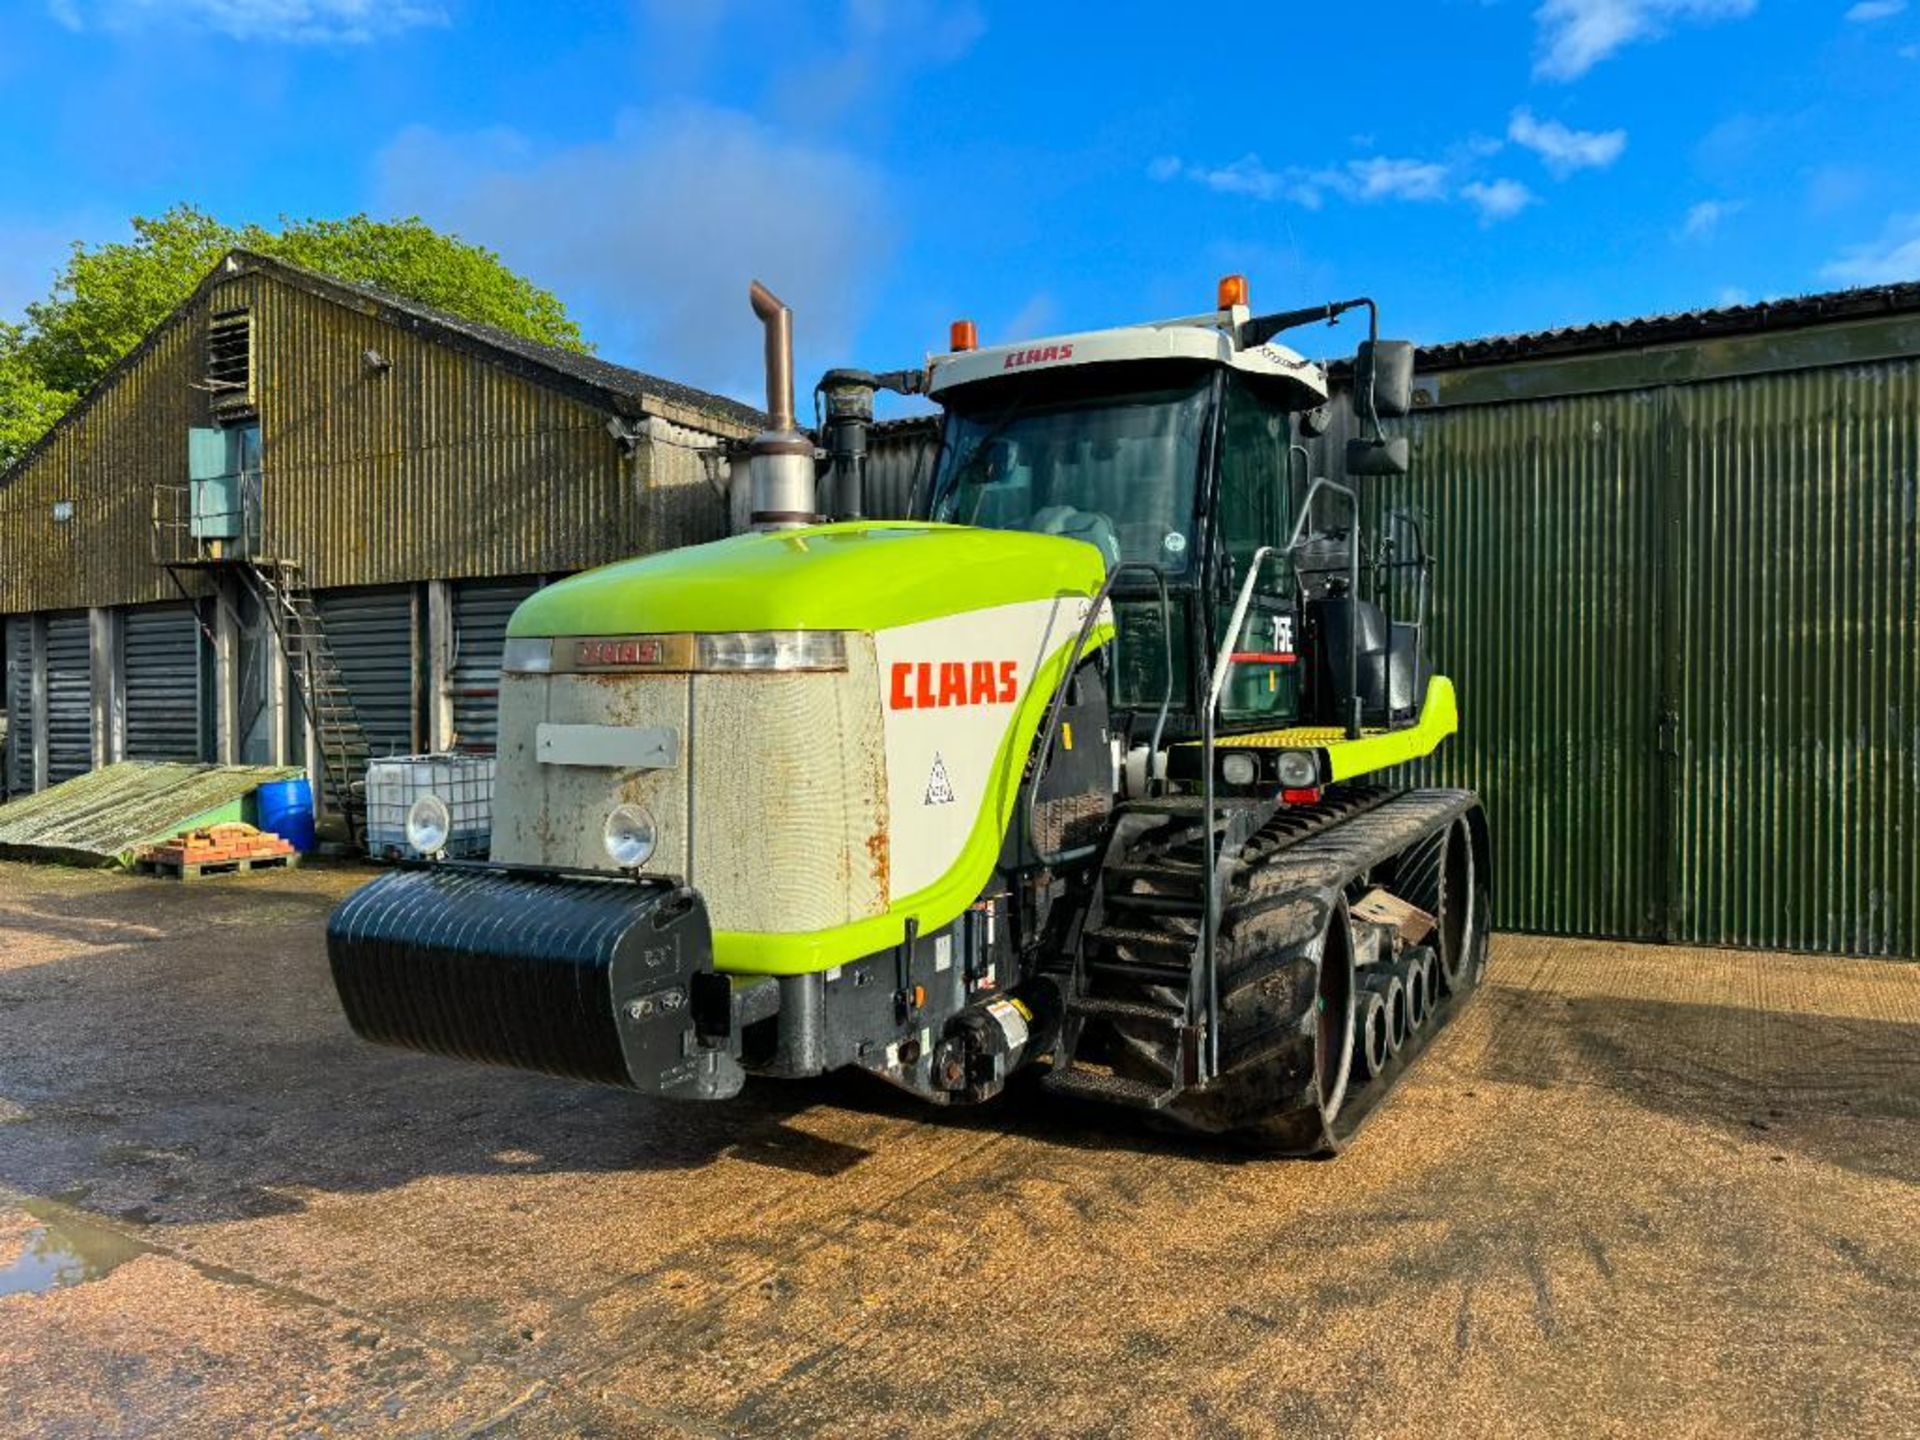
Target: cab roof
(1207, 339)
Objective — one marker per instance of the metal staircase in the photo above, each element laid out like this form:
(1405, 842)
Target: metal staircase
(283, 597)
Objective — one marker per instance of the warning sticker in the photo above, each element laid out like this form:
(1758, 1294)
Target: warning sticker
(939, 787)
(1012, 1018)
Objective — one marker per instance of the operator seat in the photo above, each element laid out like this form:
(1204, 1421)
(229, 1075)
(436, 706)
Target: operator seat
(1392, 670)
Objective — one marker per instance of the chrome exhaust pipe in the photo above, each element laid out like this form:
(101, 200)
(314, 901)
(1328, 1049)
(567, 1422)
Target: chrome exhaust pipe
(780, 464)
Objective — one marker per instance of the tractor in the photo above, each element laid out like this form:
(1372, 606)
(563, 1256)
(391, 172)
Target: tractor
(1086, 768)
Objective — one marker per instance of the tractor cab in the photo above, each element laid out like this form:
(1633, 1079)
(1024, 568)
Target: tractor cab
(1245, 594)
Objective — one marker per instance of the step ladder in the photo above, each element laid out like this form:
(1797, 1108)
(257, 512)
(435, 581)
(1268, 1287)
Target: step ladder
(291, 610)
(1137, 968)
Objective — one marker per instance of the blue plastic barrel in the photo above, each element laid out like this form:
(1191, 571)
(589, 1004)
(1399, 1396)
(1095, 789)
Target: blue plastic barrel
(286, 809)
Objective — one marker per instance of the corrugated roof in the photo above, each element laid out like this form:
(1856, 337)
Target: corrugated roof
(1795, 313)
(616, 388)
(615, 383)
(104, 816)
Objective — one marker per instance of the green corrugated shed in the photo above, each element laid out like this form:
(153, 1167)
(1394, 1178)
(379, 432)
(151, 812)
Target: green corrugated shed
(1679, 589)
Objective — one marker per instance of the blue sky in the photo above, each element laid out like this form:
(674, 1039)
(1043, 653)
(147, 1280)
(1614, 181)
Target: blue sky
(887, 165)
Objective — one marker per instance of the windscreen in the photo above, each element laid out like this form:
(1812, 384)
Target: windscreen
(1116, 471)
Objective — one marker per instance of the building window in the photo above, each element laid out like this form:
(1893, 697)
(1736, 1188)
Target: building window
(230, 361)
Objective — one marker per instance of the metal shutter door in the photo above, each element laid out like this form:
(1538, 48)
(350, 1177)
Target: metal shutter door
(19, 753)
(371, 632)
(69, 697)
(162, 650)
(481, 610)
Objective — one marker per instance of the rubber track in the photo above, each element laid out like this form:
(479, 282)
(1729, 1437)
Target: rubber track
(1281, 887)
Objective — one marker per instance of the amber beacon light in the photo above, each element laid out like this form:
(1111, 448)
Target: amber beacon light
(1233, 291)
(961, 335)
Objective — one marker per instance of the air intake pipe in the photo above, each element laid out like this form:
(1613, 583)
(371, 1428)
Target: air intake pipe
(780, 465)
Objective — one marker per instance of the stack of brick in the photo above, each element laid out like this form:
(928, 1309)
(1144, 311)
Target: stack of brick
(216, 844)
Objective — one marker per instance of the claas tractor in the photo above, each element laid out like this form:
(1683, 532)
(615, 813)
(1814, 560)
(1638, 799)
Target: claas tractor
(1085, 769)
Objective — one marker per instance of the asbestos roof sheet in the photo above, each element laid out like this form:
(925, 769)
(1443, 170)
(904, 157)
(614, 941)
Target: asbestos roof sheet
(104, 816)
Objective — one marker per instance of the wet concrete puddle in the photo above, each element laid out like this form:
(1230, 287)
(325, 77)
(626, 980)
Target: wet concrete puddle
(62, 1250)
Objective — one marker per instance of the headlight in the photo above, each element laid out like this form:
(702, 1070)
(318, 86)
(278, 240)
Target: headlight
(428, 825)
(1297, 770)
(532, 655)
(772, 650)
(1239, 769)
(630, 836)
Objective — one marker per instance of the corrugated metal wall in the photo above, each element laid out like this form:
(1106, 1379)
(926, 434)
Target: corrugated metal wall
(440, 466)
(161, 652)
(1544, 520)
(481, 610)
(69, 697)
(19, 701)
(106, 463)
(1685, 623)
(373, 637)
(1797, 661)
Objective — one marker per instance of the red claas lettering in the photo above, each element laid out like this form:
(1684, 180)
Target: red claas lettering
(931, 685)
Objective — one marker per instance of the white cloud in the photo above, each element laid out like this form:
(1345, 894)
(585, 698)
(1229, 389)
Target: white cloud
(1563, 150)
(1380, 178)
(1576, 35)
(352, 22)
(1868, 11)
(1376, 179)
(656, 231)
(1705, 217)
(1895, 256)
(1497, 200)
(1730, 295)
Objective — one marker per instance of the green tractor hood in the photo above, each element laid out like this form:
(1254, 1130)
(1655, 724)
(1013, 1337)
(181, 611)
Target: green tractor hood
(858, 575)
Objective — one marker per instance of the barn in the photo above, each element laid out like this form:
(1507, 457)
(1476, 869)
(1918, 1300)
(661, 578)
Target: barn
(293, 471)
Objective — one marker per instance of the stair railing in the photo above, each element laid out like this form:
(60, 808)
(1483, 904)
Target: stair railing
(1210, 902)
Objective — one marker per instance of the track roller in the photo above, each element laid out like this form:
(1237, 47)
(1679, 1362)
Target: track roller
(1392, 991)
(1371, 1050)
(1416, 970)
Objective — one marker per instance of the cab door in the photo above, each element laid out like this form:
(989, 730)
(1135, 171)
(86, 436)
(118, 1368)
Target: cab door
(1253, 508)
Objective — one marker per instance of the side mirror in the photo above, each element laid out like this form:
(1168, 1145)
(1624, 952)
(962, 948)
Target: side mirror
(1389, 365)
(1388, 455)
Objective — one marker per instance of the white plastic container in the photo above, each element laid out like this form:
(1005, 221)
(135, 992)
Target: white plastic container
(463, 783)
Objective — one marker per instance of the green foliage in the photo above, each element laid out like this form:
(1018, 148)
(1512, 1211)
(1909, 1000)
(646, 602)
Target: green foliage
(110, 296)
(28, 405)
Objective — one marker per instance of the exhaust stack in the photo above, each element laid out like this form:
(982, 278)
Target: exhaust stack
(780, 466)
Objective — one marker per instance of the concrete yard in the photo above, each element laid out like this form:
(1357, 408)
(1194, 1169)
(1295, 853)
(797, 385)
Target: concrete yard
(1632, 1191)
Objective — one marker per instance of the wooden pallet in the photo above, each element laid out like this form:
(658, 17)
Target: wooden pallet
(188, 871)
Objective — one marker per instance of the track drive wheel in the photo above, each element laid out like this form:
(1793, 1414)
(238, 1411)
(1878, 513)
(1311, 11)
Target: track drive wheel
(1309, 1129)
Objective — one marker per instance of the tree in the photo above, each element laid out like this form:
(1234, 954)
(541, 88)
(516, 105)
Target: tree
(28, 405)
(110, 296)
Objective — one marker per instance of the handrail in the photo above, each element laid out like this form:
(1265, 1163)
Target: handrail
(1210, 904)
(1045, 751)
